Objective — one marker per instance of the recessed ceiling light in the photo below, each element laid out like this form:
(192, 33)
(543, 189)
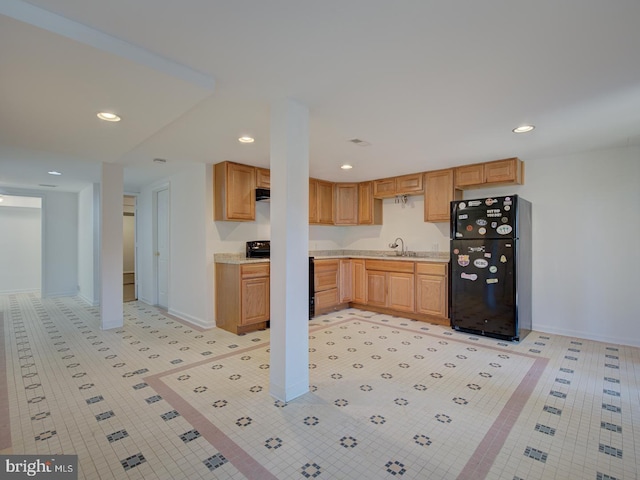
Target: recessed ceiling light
(53, 172)
(109, 117)
(523, 129)
(1, 199)
(346, 166)
(246, 139)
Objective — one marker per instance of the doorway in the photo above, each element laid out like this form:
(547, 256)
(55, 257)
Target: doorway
(129, 283)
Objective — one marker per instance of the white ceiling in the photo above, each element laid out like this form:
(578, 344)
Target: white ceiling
(429, 84)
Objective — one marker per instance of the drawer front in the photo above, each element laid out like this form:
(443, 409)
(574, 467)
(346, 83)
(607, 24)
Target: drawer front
(432, 268)
(390, 265)
(253, 270)
(327, 299)
(325, 280)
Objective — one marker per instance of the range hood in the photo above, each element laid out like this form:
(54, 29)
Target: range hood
(263, 194)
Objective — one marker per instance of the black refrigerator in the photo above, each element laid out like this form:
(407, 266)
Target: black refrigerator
(491, 267)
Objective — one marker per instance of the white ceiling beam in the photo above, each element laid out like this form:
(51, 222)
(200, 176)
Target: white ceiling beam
(76, 31)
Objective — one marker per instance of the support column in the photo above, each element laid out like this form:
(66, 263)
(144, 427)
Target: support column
(111, 205)
(289, 214)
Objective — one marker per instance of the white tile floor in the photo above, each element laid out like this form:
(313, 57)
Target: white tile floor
(389, 398)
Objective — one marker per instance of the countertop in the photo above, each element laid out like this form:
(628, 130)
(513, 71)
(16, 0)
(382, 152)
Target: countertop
(438, 257)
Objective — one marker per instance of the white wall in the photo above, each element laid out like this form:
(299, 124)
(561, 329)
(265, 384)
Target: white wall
(60, 253)
(59, 240)
(88, 244)
(20, 249)
(189, 285)
(400, 220)
(586, 225)
(191, 253)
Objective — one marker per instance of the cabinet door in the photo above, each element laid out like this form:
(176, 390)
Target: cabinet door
(438, 194)
(346, 280)
(359, 281)
(384, 188)
(431, 295)
(313, 200)
(469, 175)
(327, 299)
(263, 178)
(369, 208)
(503, 171)
(325, 202)
(255, 300)
(401, 291)
(376, 289)
(409, 184)
(234, 192)
(346, 204)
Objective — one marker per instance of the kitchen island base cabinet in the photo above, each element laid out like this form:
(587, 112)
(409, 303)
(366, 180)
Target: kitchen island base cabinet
(242, 297)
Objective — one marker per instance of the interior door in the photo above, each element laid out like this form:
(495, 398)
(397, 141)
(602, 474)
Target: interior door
(162, 247)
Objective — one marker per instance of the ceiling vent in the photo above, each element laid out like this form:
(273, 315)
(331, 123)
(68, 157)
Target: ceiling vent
(46, 185)
(360, 143)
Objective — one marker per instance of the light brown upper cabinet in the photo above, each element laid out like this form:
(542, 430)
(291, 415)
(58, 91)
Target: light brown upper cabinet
(234, 192)
(369, 208)
(385, 187)
(469, 175)
(404, 185)
(439, 192)
(346, 203)
(509, 171)
(409, 184)
(320, 202)
(263, 178)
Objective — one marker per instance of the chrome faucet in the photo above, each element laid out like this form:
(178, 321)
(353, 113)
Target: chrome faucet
(395, 245)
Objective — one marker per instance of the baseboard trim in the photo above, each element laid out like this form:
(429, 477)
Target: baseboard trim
(88, 301)
(586, 335)
(190, 319)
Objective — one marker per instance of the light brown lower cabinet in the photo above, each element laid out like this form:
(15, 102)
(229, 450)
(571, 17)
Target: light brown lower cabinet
(392, 290)
(242, 296)
(431, 289)
(390, 284)
(415, 289)
(346, 280)
(359, 291)
(326, 284)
